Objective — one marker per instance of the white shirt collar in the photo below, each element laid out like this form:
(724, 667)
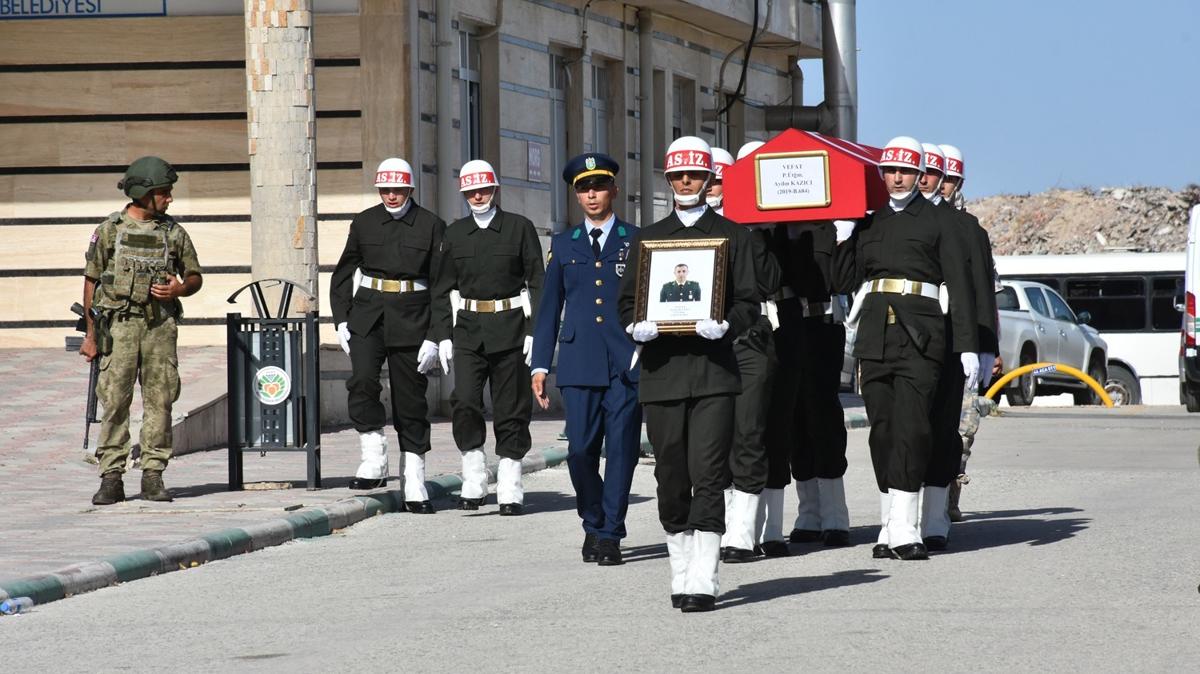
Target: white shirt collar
(486, 219)
(689, 216)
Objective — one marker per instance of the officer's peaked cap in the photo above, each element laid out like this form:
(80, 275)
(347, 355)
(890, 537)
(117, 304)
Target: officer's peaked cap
(592, 164)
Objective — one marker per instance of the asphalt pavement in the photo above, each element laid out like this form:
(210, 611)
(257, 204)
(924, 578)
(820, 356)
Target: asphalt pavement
(1078, 554)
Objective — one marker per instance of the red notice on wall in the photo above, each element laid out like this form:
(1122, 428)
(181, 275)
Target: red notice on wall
(801, 175)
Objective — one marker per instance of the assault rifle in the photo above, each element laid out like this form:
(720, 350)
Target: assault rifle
(94, 374)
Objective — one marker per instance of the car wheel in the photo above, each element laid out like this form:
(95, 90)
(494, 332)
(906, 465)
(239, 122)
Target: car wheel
(1088, 396)
(1026, 389)
(1122, 387)
(1189, 398)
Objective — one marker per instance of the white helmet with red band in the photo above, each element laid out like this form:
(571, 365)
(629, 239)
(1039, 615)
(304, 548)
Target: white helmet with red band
(476, 174)
(721, 160)
(934, 159)
(688, 153)
(954, 160)
(903, 152)
(749, 147)
(394, 172)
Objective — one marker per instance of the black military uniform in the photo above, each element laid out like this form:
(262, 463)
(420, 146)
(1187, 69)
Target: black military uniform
(389, 316)
(688, 291)
(947, 445)
(688, 384)
(902, 335)
(490, 267)
(818, 452)
(757, 365)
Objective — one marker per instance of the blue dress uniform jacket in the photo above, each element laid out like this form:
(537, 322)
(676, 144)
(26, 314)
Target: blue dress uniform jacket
(592, 341)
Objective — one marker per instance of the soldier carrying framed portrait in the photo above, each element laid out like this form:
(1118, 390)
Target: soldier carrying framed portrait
(680, 282)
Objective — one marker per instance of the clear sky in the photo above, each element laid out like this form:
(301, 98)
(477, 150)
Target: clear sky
(1036, 93)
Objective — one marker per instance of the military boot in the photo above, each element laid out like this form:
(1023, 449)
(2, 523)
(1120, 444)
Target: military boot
(953, 510)
(153, 488)
(112, 489)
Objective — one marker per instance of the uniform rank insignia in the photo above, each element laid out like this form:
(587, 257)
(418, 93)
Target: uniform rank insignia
(590, 163)
(620, 269)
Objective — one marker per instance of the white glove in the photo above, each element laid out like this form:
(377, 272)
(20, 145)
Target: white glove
(527, 349)
(986, 362)
(427, 356)
(343, 335)
(710, 329)
(844, 229)
(446, 354)
(643, 331)
(970, 366)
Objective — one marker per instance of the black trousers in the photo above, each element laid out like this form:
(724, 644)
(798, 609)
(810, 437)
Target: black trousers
(781, 427)
(691, 439)
(757, 366)
(410, 412)
(508, 375)
(820, 446)
(899, 392)
(946, 461)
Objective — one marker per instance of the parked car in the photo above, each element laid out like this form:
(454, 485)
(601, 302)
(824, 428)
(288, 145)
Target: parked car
(1037, 325)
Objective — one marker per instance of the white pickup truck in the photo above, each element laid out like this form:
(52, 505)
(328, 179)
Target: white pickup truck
(1037, 325)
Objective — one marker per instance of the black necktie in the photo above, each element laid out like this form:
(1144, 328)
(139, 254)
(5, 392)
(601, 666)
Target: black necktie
(596, 234)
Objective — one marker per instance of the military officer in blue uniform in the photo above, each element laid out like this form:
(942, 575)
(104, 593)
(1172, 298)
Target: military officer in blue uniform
(595, 373)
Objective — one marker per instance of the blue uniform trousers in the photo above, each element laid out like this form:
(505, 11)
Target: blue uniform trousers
(609, 415)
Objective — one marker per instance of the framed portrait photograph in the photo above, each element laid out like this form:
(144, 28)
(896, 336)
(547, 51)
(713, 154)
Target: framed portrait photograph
(680, 282)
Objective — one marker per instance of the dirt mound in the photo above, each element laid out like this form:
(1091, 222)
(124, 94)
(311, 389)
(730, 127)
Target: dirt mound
(1150, 219)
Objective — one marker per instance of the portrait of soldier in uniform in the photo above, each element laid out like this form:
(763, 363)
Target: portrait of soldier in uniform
(681, 289)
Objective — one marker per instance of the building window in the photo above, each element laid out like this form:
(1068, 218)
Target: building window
(600, 99)
(557, 88)
(470, 96)
(683, 104)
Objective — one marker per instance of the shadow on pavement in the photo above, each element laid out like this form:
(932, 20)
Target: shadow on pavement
(642, 553)
(752, 593)
(980, 534)
(1004, 514)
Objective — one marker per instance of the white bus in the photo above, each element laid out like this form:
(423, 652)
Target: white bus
(1131, 297)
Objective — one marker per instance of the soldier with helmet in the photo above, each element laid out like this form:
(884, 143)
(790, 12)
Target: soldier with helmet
(757, 363)
(380, 295)
(485, 293)
(986, 285)
(131, 289)
(900, 255)
(688, 383)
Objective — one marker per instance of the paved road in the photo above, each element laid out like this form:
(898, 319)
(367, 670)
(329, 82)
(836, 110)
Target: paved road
(1079, 553)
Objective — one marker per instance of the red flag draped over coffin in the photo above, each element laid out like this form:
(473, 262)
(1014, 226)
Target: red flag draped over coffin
(801, 175)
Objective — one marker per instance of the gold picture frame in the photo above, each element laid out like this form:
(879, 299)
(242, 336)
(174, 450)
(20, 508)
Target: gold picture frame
(677, 306)
(821, 201)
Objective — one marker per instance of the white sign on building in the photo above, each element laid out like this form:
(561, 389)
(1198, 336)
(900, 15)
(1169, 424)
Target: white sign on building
(792, 180)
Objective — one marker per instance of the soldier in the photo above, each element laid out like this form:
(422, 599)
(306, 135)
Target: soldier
(818, 452)
(132, 280)
(594, 373)
(383, 313)
(900, 254)
(688, 384)
(484, 295)
(755, 351)
(681, 289)
(989, 322)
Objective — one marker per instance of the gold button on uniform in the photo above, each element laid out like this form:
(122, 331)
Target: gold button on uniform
(599, 281)
(599, 264)
(599, 319)
(599, 300)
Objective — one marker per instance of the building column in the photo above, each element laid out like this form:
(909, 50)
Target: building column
(281, 113)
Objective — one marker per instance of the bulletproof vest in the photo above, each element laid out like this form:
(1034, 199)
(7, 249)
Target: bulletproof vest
(141, 259)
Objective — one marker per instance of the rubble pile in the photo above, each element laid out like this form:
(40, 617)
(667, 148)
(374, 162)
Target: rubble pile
(1146, 219)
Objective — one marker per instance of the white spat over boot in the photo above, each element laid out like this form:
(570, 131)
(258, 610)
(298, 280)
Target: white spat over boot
(679, 551)
(835, 516)
(474, 480)
(807, 527)
(701, 584)
(416, 496)
(510, 493)
(903, 535)
(372, 470)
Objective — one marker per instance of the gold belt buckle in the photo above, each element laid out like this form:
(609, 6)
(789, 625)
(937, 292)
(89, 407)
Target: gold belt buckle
(891, 285)
(485, 306)
(390, 286)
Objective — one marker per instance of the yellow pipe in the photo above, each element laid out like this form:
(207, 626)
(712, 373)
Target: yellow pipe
(1046, 368)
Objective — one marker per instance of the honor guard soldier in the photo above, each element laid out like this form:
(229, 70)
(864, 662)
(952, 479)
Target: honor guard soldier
(818, 450)
(689, 382)
(900, 255)
(987, 285)
(132, 282)
(594, 373)
(485, 292)
(755, 351)
(380, 295)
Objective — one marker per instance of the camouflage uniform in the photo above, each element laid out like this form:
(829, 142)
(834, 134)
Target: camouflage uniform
(126, 257)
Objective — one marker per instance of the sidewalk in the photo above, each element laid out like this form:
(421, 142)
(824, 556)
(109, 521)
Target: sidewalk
(46, 487)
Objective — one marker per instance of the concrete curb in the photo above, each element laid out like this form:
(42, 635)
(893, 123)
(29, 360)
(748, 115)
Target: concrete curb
(306, 523)
(857, 420)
